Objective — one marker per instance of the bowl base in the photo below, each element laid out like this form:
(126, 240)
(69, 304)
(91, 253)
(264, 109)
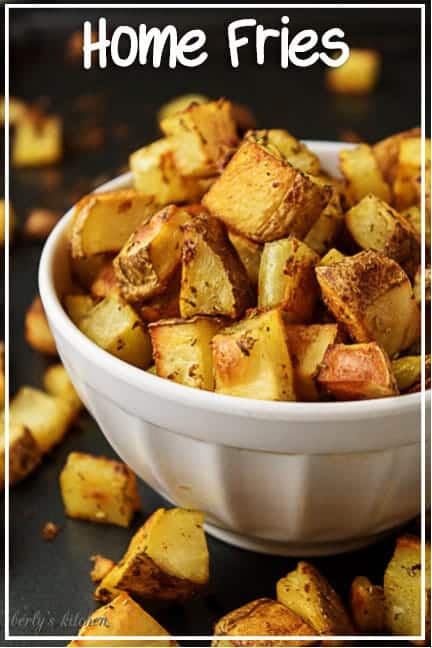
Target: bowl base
(293, 549)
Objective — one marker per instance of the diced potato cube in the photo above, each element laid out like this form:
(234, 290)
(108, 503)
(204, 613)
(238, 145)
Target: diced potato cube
(105, 282)
(38, 140)
(167, 559)
(249, 253)
(57, 382)
(99, 489)
(362, 174)
(405, 186)
(328, 225)
(77, 306)
(287, 279)
(113, 325)
(252, 359)
(37, 330)
(180, 104)
(357, 371)
(101, 567)
(213, 281)
(284, 145)
(364, 292)
(265, 198)
(386, 152)
(358, 75)
(332, 256)
(24, 453)
(367, 606)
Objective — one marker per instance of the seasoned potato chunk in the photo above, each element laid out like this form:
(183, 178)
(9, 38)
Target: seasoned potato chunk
(103, 222)
(37, 331)
(358, 75)
(113, 325)
(105, 282)
(309, 595)
(252, 359)
(367, 605)
(364, 292)
(77, 306)
(167, 559)
(402, 588)
(262, 617)
(213, 281)
(152, 254)
(38, 140)
(288, 148)
(287, 278)
(99, 489)
(180, 104)
(405, 187)
(182, 351)
(57, 382)
(24, 453)
(407, 371)
(249, 253)
(357, 371)
(332, 256)
(265, 198)
(203, 136)
(386, 152)
(326, 228)
(121, 617)
(307, 345)
(362, 174)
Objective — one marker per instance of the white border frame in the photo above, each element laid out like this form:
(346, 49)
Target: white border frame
(422, 8)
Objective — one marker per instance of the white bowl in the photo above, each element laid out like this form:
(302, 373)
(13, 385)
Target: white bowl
(284, 478)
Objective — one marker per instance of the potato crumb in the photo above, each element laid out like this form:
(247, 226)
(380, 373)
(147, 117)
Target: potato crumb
(50, 531)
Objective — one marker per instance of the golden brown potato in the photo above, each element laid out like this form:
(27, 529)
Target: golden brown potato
(402, 589)
(24, 453)
(57, 382)
(364, 292)
(358, 76)
(101, 567)
(167, 559)
(115, 327)
(362, 174)
(374, 225)
(284, 145)
(39, 223)
(38, 140)
(77, 306)
(407, 371)
(203, 137)
(367, 606)
(213, 281)
(265, 198)
(287, 279)
(262, 617)
(386, 152)
(357, 371)
(180, 104)
(99, 489)
(182, 351)
(307, 345)
(405, 186)
(121, 617)
(309, 595)
(332, 256)
(252, 359)
(249, 253)
(152, 254)
(105, 282)
(328, 225)
(37, 331)
(103, 222)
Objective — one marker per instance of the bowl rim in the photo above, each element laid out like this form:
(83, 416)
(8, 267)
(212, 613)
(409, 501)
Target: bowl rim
(197, 398)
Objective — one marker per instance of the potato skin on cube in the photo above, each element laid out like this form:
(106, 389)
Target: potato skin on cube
(362, 174)
(290, 149)
(367, 605)
(24, 453)
(265, 198)
(357, 371)
(386, 152)
(182, 351)
(99, 489)
(252, 359)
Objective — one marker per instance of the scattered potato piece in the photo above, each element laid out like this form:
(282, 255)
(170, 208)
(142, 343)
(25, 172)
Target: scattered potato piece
(180, 104)
(38, 140)
(285, 146)
(50, 531)
(362, 174)
(12, 220)
(77, 306)
(40, 223)
(386, 152)
(332, 256)
(167, 559)
(99, 489)
(405, 186)
(309, 595)
(367, 606)
(24, 453)
(105, 282)
(249, 253)
(37, 331)
(101, 567)
(121, 617)
(57, 382)
(407, 371)
(262, 617)
(252, 359)
(182, 351)
(358, 76)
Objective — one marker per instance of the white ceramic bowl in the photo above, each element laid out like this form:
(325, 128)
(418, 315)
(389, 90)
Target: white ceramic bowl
(284, 478)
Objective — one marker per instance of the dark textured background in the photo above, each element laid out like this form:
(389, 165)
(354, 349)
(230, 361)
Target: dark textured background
(50, 581)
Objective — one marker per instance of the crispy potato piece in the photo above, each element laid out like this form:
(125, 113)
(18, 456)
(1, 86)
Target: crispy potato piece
(364, 292)
(367, 606)
(182, 351)
(309, 595)
(374, 225)
(85, 271)
(203, 137)
(103, 222)
(265, 198)
(307, 345)
(405, 186)
(262, 617)
(105, 282)
(402, 589)
(386, 152)
(152, 254)
(332, 256)
(287, 279)
(249, 253)
(328, 225)
(99, 489)
(285, 146)
(101, 567)
(77, 306)
(24, 453)
(358, 76)
(357, 371)
(418, 287)
(167, 559)
(47, 417)
(213, 281)
(113, 325)
(407, 371)
(362, 174)
(37, 331)
(165, 305)
(252, 359)
(180, 104)
(38, 140)
(121, 617)
(12, 220)
(39, 224)
(57, 382)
